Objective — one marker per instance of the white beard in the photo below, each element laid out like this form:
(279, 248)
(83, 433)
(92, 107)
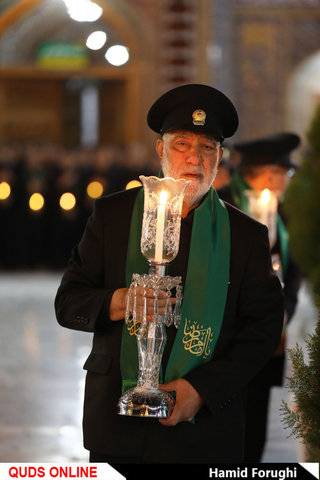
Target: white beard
(196, 190)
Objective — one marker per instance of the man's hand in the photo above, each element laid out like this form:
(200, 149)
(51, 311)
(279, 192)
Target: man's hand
(117, 308)
(145, 299)
(188, 402)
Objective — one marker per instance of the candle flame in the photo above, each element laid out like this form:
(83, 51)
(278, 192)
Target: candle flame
(163, 197)
(265, 196)
(276, 266)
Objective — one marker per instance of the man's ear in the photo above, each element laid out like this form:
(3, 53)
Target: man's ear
(220, 154)
(159, 148)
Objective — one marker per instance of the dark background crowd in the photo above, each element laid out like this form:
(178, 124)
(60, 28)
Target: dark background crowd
(44, 238)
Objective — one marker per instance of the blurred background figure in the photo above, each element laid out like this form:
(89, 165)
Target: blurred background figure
(48, 194)
(225, 170)
(65, 209)
(265, 163)
(135, 162)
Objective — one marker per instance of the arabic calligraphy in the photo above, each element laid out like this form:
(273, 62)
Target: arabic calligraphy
(197, 339)
(133, 327)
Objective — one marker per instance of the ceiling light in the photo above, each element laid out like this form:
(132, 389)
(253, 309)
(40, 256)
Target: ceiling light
(83, 10)
(96, 40)
(117, 55)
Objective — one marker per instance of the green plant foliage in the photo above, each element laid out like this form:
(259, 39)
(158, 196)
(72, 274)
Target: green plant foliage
(304, 420)
(302, 209)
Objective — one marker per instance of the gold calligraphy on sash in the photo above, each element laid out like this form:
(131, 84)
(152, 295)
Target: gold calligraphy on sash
(133, 327)
(197, 339)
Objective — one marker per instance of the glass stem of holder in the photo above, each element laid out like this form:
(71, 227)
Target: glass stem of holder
(151, 338)
(146, 399)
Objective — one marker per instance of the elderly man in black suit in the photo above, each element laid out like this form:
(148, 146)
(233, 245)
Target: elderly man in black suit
(224, 261)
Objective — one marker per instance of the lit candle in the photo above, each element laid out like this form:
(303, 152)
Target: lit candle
(265, 196)
(264, 205)
(160, 226)
(269, 207)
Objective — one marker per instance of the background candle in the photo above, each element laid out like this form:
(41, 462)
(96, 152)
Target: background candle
(265, 196)
(264, 206)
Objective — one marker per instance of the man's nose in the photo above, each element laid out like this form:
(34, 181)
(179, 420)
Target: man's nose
(194, 156)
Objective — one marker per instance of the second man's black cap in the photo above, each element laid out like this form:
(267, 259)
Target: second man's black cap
(272, 149)
(194, 107)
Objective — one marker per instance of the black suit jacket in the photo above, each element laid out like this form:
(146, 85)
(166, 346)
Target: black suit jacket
(250, 333)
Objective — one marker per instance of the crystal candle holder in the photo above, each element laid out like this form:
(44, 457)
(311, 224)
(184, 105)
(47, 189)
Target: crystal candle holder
(163, 198)
(160, 236)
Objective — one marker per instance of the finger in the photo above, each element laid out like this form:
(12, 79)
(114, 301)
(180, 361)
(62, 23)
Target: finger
(167, 422)
(171, 421)
(149, 313)
(150, 292)
(169, 386)
(151, 301)
(150, 307)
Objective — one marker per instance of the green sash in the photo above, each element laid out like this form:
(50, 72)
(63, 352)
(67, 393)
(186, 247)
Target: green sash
(237, 186)
(205, 291)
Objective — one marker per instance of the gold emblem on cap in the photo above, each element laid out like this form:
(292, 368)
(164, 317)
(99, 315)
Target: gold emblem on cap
(199, 117)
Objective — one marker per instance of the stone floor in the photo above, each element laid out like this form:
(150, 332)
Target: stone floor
(41, 376)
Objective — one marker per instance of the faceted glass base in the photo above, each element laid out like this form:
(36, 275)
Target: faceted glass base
(146, 402)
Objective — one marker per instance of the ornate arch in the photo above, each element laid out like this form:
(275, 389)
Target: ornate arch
(129, 22)
(303, 93)
(130, 25)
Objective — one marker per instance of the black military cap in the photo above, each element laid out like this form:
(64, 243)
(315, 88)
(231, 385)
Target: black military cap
(270, 150)
(196, 108)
